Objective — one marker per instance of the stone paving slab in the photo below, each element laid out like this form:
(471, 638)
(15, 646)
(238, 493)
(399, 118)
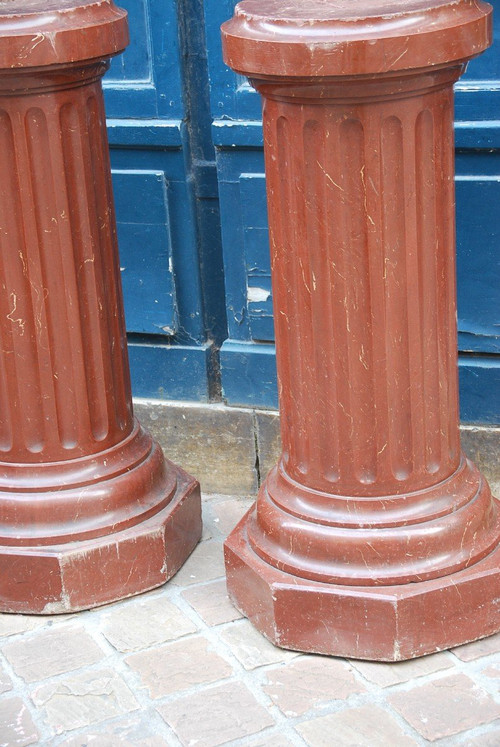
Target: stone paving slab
(179, 667)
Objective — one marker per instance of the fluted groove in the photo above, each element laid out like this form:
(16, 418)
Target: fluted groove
(294, 288)
(115, 327)
(14, 337)
(26, 296)
(413, 285)
(396, 291)
(358, 320)
(448, 275)
(58, 322)
(430, 350)
(318, 226)
(90, 292)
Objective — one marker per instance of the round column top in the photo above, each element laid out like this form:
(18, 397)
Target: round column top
(294, 38)
(36, 33)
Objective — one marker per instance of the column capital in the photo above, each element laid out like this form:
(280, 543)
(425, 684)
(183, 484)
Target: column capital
(36, 33)
(362, 37)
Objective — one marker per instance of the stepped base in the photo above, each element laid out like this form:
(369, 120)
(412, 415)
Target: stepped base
(78, 575)
(380, 623)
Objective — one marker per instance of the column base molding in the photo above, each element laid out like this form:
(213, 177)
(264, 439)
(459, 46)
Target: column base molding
(381, 623)
(80, 574)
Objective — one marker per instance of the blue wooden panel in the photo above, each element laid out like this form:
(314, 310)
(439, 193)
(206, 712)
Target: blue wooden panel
(478, 93)
(146, 265)
(256, 249)
(146, 80)
(480, 389)
(249, 374)
(169, 355)
(478, 263)
(178, 372)
(231, 95)
(169, 212)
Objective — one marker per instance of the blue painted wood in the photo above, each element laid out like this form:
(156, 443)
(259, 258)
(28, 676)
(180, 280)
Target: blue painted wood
(480, 389)
(478, 266)
(146, 261)
(249, 374)
(145, 133)
(160, 152)
(146, 80)
(162, 371)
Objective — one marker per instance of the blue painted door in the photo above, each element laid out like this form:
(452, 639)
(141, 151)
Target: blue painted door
(247, 356)
(166, 201)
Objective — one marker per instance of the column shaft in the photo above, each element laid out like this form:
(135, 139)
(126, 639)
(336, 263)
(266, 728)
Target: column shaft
(64, 382)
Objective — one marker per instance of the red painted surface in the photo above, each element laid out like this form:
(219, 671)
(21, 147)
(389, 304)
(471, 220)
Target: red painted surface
(90, 510)
(373, 529)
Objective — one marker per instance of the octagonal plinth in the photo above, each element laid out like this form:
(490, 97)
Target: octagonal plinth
(374, 536)
(385, 623)
(90, 510)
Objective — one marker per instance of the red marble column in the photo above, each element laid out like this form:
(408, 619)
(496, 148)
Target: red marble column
(374, 537)
(90, 510)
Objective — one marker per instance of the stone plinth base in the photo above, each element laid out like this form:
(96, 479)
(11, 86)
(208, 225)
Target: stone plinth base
(48, 579)
(385, 623)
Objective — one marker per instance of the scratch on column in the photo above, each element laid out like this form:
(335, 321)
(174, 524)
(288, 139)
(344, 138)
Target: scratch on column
(19, 321)
(330, 178)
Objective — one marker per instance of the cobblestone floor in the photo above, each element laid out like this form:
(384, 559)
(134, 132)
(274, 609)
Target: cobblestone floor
(178, 666)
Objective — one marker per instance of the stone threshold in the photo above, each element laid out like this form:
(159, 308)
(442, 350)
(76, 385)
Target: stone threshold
(231, 449)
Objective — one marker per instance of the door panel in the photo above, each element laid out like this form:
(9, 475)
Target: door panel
(145, 251)
(145, 92)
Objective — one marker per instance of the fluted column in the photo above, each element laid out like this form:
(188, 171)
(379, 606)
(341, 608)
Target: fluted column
(373, 503)
(90, 510)
(63, 360)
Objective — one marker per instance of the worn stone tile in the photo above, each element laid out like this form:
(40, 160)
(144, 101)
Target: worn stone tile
(367, 726)
(216, 715)
(487, 739)
(5, 681)
(97, 740)
(126, 732)
(309, 682)
(16, 725)
(83, 699)
(51, 652)
(178, 666)
(475, 650)
(270, 740)
(206, 563)
(228, 513)
(214, 443)
(14, 624)
(492, 671)
(251, 648)
(445, 706)
(141, 623)
(385, 675)
(268, 440)
(212, 603)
